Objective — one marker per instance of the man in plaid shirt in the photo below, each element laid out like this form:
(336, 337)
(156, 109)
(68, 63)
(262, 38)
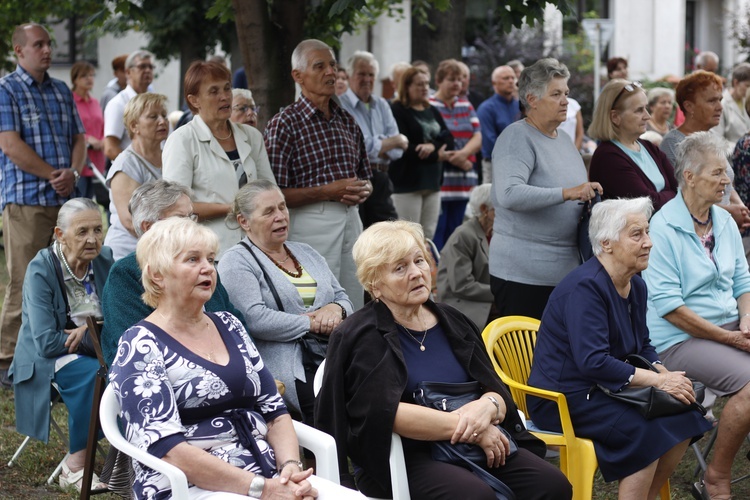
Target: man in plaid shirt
(42, 148)
(318, 157)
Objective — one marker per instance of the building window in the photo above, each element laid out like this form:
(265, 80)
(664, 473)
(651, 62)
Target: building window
(70, 43)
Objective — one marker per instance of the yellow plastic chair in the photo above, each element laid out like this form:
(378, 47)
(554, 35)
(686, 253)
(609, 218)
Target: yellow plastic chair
(510, 342)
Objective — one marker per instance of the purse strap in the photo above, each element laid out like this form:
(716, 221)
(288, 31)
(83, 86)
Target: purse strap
(266, 277)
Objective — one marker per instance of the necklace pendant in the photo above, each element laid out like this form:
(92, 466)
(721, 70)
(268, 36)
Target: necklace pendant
(422, 348)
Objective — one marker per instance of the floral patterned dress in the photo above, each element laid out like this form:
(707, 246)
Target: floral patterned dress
(169, 395)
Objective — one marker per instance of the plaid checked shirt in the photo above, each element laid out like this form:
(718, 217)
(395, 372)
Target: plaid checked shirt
(46, 118)
(307, 150)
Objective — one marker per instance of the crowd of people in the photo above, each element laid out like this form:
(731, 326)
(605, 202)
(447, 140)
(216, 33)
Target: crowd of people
(232, 254)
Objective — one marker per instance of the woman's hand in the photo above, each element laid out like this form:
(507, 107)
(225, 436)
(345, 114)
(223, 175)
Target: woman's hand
(584, 192)
(678, 385)
(325, 319)
(739, 339)
(74, 338)
(460, 159)
(495, 445)
(290, 486)
(425, 150)
(473, 420)
(94, 143)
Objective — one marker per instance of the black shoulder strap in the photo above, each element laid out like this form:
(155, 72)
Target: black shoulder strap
(60, 279)
(266, 277)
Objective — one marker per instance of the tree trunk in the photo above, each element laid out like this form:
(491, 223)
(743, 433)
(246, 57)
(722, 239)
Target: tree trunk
(267, 40)
(445, 40)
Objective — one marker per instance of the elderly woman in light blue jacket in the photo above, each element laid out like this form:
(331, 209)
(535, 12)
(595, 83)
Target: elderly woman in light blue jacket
(284, 289)
(699, 296)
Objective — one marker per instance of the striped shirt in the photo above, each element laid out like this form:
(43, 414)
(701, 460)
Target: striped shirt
(306, 287)
(462, 121)
(45, 117)
(307, 150)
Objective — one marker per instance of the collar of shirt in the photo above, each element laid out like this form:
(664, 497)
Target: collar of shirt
(308, 109)
(28, 79)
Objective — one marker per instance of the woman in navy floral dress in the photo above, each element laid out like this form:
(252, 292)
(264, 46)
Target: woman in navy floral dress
(193, 389)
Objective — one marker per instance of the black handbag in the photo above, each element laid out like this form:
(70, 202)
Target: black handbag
(314, 346)
(585, 252)
(650, 401)
(449, 397)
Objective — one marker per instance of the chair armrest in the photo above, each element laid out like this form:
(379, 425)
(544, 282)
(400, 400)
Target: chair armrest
(108, 412)
(557, 397)
(323, 447)
(399, 479)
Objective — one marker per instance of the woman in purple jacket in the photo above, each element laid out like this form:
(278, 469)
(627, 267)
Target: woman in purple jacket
(626, 166)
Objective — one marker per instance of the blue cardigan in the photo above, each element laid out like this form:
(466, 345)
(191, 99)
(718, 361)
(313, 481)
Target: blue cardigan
(680, 273)
(41, 339)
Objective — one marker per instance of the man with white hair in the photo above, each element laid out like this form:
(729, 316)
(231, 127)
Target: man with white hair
(383, 141)
(496, 113)
(318, 156)
(707, 61)
(140, 70)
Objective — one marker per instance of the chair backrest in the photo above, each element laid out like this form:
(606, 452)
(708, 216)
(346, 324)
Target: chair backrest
(95, 332)
(510, 343)
(108, 413)
(318, 380)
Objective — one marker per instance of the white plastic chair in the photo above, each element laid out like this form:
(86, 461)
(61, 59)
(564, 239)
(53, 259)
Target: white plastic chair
(399, 481)
(321, 444)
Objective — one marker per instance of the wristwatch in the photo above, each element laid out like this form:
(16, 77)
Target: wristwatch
(76, 175)
(256, 486)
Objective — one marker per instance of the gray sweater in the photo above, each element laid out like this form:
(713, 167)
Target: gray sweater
(535, 232)
(273, 331)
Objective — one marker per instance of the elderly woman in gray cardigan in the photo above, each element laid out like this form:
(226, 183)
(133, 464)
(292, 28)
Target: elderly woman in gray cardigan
(308, 298)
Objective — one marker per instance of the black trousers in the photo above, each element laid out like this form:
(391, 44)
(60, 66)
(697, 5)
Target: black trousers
(519, 299)
(379, 206)
(530, 478)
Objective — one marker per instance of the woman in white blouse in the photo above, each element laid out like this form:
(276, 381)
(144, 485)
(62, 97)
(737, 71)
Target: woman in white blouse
(212, 155)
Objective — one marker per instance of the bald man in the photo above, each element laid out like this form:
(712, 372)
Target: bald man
(496, 113)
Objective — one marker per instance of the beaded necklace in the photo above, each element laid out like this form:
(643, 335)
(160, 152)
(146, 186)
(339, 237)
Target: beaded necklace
(297, 265)
(80, 281)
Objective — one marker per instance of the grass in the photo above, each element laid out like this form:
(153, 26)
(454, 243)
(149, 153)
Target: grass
(27, 478)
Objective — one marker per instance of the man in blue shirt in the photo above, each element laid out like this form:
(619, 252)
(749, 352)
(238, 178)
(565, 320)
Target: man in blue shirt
(383, 141)
(496, 113)
(42, 149)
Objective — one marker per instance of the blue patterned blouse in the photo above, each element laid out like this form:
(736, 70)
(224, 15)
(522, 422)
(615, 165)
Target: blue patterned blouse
(169, 395)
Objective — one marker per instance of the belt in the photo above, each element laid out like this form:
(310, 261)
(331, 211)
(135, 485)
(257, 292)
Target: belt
(380, 167)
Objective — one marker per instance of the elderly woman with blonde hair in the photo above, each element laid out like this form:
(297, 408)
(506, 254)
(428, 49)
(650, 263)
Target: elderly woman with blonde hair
(193, 389)
(595, 318)
(464, 272)
(147, 125)
(381, 354)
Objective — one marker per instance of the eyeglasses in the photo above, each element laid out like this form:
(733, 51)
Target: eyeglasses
(192, 217)
(245, 109)
(630, 87)
(144, 66)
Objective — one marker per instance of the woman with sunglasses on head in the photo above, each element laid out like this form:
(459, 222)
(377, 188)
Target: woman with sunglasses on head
(625, 165)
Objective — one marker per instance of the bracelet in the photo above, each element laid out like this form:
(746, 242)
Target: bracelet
(343, 310)
(256, 486)
(497, 407)
(295, 462)
(76, 175)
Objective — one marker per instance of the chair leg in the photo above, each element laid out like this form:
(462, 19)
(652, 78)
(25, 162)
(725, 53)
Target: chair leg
(665, 491)
(57, 470)
(18, 451)
(581, 475)
(91, 443)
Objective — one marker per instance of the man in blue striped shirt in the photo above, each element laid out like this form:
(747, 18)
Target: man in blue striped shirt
(42, 148)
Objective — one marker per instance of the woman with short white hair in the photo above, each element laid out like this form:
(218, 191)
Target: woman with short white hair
(699, 295)
(594, 319)
(660, 106)
(463, 279)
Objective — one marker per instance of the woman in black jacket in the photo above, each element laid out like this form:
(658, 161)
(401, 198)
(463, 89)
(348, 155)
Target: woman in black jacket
(417, 175)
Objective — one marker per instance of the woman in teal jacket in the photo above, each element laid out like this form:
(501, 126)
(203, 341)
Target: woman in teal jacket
(61, 288)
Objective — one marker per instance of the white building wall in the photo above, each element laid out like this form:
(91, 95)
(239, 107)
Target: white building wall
(650, 34)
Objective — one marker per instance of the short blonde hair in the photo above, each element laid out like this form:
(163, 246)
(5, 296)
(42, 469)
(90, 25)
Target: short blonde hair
(384, 243)
(602, 128)
(158, 248)
(138, 105)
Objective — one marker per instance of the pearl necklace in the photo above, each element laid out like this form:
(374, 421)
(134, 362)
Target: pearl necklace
(224, 138)
(61, 255)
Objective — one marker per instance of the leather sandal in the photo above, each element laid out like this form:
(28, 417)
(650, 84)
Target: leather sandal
(70, 479)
